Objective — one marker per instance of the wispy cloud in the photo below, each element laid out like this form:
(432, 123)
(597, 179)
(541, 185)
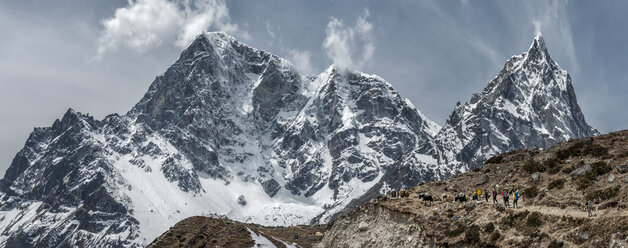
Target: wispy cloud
(269, 30)
(302, 61)
(350, 47)
(146, 24)
(555, 19)
(472, 38)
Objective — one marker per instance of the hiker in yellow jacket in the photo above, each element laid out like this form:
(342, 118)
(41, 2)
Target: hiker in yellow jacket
(515, 198)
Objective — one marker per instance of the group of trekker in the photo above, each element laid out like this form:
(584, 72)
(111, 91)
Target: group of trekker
(477, 195)
(506, 195)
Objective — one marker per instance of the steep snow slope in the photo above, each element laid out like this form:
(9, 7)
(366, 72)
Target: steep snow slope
(224, 122)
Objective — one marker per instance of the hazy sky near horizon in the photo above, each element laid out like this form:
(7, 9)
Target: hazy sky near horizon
(100, 56)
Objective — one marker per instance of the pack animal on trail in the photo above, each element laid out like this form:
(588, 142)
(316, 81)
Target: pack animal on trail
(426, 197)
(404, 194)
(393, 194)
(460, 198)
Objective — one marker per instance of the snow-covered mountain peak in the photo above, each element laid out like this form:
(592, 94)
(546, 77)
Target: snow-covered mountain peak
(341, 73)
(225, 122)
(218, 36)
(218, 41)
(536, 73)
(537, 55)
(70, 117)
(531, 102)
(538, 43)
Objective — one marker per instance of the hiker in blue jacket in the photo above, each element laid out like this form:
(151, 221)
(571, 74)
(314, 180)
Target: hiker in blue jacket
(515, 198)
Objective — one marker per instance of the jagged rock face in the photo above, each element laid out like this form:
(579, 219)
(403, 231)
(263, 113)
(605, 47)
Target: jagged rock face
(59, 187)
(530, 103)
(218, 98)
(354, 128)
(224, 122)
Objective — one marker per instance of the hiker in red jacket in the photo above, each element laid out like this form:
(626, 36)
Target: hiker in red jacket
(494, 196)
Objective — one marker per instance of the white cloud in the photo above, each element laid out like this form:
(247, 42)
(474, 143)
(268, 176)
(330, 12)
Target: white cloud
(554, 19)
(269, 30)
(147, 24)
(302, 61)
(537, 26)
(483, 48)
(350, 47)
(201, 15)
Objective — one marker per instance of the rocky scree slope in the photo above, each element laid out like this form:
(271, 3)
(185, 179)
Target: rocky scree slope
(554, 185)
(228, 130)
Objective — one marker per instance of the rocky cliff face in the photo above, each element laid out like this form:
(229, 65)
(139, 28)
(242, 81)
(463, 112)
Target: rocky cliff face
(232, 131)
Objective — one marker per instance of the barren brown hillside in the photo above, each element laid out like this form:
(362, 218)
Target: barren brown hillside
(202, 231)
(554, 186)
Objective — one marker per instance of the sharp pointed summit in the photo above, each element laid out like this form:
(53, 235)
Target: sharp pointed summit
(538, 54)
(538, 42)
(530, 103)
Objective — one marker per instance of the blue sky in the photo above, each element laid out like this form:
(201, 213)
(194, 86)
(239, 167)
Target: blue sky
(99, 57)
